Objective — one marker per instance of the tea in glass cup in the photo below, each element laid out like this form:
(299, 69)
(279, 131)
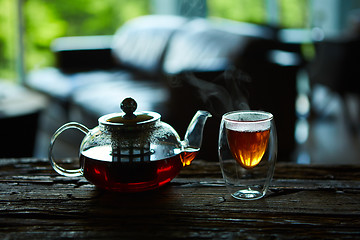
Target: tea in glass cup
(247, 152)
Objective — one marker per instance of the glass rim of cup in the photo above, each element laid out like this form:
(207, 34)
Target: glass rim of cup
(269, 116)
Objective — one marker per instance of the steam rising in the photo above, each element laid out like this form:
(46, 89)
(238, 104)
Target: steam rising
(227, 92)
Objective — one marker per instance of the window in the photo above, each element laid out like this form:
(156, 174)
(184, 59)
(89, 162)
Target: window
(287, 13)
(8, 40)
(45, 20)
(253, 11)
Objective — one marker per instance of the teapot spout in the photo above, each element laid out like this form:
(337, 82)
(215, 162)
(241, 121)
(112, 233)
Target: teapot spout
(194, 132)
(193, 137)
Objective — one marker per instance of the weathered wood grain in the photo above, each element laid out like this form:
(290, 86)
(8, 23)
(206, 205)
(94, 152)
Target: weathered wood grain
(321, 202)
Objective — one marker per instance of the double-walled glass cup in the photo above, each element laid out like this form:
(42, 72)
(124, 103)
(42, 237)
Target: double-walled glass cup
(247, 150)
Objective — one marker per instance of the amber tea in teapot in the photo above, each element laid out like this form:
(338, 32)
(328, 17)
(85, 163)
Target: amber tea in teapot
(131, 174)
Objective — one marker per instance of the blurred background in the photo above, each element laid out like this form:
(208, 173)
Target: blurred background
(75, 60)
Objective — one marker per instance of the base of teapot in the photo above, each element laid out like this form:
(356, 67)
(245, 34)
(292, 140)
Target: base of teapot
(133, 187)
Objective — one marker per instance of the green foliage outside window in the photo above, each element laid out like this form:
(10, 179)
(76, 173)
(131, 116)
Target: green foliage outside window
(294, 13)
(7, 39)
(45, 20)
(49, 19)
(291, 13)
(253, 11)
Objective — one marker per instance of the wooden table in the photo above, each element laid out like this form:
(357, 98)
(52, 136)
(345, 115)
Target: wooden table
(319, 202)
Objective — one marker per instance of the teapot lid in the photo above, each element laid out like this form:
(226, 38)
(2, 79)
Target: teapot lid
(129, 117)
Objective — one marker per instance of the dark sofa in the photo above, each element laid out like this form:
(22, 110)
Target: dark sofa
(175, 66)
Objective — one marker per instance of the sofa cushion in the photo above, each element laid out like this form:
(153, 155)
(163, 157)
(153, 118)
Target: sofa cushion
(140, 43)
(204, 45)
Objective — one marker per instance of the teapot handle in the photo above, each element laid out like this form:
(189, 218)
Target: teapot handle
(56, 167)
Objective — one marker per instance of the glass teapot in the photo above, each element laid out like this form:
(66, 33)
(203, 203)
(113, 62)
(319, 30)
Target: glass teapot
(132, 151)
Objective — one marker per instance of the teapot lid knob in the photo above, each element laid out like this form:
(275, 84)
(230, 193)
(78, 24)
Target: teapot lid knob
(129, 105)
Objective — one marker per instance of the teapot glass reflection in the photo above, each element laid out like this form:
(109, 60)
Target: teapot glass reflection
(132, 151)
